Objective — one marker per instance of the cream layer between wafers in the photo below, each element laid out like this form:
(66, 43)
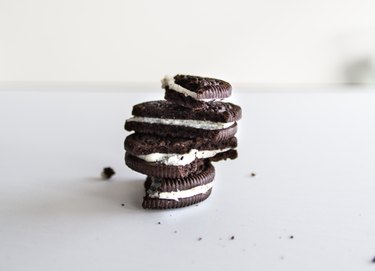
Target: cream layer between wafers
(176, 159)
(198, 124)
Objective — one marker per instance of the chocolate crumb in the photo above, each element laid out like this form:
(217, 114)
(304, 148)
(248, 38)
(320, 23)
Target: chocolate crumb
(159, 222)
(373, 260)
(107, 173)
(291, 237)
(232, 238)
(199, 238)
(253, 174)
(122, 204)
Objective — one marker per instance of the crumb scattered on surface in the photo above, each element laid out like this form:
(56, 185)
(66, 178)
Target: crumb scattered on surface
(199, 238)
(122, 204)
(373, 260)
(107, 173)
(291, 237)
(159, 222)
(232, 237)
(253, 174)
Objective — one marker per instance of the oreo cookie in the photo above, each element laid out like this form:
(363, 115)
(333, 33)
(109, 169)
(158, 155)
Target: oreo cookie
(162, 170)
(176, 150)
(169, 157)
(194, 91)
(165, 193)
(217, 120)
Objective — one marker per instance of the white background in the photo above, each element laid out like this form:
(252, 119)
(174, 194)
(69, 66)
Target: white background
(268, 41)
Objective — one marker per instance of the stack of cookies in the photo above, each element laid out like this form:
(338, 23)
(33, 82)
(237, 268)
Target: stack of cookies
(176, 140)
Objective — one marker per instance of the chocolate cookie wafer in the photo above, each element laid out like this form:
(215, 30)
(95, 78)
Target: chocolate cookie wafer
(194, 91)
(164, 193)
(217, 120)
(177, 151)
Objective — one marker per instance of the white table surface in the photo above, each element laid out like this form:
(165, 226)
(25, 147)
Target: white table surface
(313, 153)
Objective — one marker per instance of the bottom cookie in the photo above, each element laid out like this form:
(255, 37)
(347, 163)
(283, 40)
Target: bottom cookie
(166, 193)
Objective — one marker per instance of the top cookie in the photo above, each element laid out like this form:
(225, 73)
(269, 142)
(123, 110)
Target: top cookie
(194, 91)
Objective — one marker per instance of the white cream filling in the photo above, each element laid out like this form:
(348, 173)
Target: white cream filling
(168, 81)
(199, 124)
(175, 195)
(175, 159)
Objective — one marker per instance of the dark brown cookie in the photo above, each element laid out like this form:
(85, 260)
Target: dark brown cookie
(214, 112)
(194, 91)
(186, 132)
(144, 144)
(216, 120)
(165, 193)
(161, 170)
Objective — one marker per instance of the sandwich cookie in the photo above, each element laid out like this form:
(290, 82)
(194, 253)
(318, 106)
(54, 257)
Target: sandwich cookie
(169, 157)
(217, 120)
(162, 170)
(165, 193)
(194, 91)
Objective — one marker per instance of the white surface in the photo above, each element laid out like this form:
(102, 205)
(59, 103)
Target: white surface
(314, 158)
(243, 41)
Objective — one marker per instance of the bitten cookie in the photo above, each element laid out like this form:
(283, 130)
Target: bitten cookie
(217, 120)
(194, 91)
(164, 193)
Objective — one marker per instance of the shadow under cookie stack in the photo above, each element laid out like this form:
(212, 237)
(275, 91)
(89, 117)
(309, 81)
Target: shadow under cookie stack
(176, 140)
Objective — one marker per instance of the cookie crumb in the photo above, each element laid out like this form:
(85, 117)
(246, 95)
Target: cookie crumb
(122, 204)
(107, 173)
(232, 237)
(199, 238)
(291, 237)
(159, 223)
(253, 174)
(373, 260)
